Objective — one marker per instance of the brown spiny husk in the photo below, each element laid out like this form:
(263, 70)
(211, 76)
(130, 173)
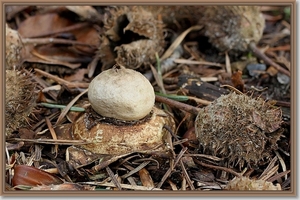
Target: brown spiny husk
(133, 36)
(245, 183)
(20, 99)
(233, 27)
(136, 53)
(13, 48)
(177, 17)
(135, 33)
(240, 129)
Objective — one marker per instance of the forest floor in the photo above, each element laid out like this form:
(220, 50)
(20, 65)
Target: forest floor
(61, 57)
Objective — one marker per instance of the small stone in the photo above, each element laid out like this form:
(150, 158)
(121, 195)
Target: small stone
(254, 68)
(283, 79)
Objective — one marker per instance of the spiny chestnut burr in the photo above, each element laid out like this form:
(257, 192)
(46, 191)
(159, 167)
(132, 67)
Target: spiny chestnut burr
(20, 99)
(233, 27)
(240, 129)
(132, 37)
(13, 49)
(20, 93)
(134, 34)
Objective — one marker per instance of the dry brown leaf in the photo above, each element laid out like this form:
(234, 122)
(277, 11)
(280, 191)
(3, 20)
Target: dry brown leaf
(237, 81)
(77, 76)
(31, 176)
(146, 178)
(39, 25)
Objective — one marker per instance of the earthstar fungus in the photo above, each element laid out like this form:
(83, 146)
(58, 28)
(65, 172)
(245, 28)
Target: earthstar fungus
(122, 118)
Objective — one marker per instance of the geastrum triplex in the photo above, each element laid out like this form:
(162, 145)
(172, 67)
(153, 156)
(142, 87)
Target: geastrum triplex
(122, 118)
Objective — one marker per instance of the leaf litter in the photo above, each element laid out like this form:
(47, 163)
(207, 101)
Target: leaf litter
(190, 66)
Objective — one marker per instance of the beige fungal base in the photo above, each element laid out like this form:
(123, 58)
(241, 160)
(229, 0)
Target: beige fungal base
(113, 139)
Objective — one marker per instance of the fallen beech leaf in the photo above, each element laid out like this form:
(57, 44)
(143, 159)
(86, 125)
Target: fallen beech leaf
(59, 54)
(26, 133)
(272, 71)
(77, 76)
(87, 35)
(237, 80)
(41, 25)
(192, 138)
(85, 12)
(37, 58)
(31, 176)
(79, 157)
(146, 178)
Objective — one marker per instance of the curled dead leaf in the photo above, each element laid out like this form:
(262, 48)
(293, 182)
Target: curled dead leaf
(146, 178)
(31, 176)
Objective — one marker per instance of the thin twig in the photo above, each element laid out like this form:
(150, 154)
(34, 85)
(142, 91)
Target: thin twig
(52, 116)
(196, 62)
(113, 178)
(173, 185)
(283, 166)
(125, 186)
(269, 167)
(279, 175)
(214, 158)
(267, 60)
(171, 168)
(182, 106)
(65, 29)
(135, 170)
(270, 173)
(187, 177)
(53, 134)
(218, 167)
(51, 141)
(178, 40)
(53, 41)
(68, 107)
(62, 81)
(232, 88)
(146, 159)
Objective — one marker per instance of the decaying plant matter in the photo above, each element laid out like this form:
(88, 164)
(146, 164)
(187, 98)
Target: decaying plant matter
(20, 88)
(233, 27)
(20, 99)
(133, 35)
(13, 48)
(150, 97)
(245, 183)
(240, 129)
(116, 138)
